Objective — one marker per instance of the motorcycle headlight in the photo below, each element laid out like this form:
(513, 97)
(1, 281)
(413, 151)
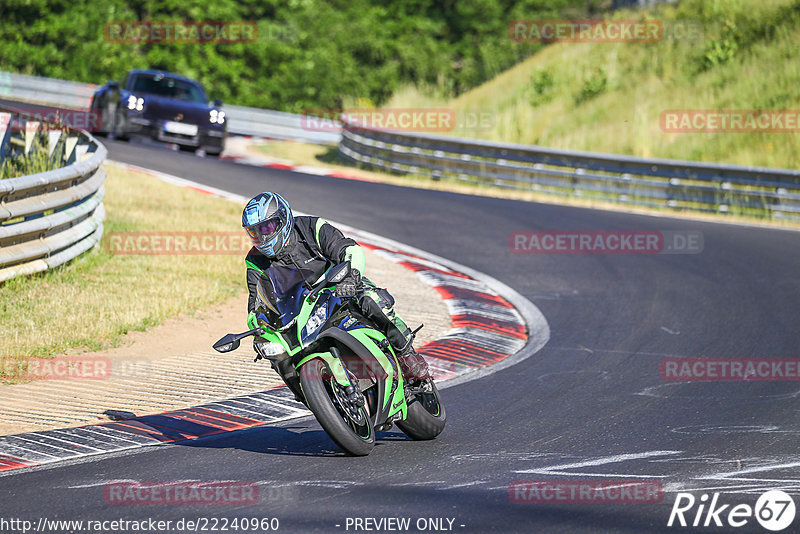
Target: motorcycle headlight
(316, 320)
(271, 349)
(216, 116)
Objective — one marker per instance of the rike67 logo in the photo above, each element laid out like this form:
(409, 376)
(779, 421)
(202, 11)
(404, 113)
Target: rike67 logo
(774, 510)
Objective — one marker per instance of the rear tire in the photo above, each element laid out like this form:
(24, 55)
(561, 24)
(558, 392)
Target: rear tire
(356, 438)
(426, 416)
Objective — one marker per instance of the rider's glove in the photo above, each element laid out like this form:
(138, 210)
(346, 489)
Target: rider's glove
(252, 320)
(351, 285)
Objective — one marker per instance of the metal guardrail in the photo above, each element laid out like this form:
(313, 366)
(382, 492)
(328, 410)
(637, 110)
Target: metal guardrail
(64, 93)
(275, 125)
(241, 120)
(49, 218)
(707, 187)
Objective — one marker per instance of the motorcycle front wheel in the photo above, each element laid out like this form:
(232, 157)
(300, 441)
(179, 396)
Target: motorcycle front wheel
(350, 428)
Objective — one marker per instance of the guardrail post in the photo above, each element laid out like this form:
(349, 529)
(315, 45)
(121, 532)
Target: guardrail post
(31, 131)
(5, 135)
(69, 148)
(53, 137)
(80, 150)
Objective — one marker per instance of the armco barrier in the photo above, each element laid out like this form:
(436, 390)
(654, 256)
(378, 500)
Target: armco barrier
(241, 120)
(707, 187)
(49, 218)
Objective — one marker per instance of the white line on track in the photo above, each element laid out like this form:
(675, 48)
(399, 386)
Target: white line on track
(736, 475)
(560, 469)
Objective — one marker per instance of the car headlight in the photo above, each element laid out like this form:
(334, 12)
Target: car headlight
(135, 103)
(216, 117)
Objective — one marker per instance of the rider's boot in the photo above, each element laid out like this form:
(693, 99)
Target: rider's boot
(413, 364)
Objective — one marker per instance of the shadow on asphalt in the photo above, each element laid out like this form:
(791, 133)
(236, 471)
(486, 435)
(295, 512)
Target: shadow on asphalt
(282, 440)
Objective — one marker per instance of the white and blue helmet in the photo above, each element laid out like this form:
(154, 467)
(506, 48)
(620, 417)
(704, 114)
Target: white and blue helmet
(268, 220)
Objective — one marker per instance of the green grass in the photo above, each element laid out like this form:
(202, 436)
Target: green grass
(92, 301)
(608, 97)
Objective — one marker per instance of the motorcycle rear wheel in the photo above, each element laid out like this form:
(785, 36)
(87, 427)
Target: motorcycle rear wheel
(355, 435)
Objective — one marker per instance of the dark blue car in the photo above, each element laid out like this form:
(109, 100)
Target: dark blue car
(163, 106)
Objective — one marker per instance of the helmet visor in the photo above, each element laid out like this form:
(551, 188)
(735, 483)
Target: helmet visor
(262, 232)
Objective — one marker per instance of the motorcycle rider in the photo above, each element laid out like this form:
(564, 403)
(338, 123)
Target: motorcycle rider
(288, 250)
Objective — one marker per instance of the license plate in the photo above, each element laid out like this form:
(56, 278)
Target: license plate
(180, 128)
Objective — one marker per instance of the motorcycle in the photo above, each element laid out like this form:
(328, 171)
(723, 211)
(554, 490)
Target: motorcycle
(337, 363)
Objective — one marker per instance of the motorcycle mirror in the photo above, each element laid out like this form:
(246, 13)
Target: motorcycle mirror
(334, 275)
(338, 272)
(228, 343)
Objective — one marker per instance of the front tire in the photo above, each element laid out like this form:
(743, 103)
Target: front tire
(426, 415)
(120, 126)
(354, 435)
(107, 119)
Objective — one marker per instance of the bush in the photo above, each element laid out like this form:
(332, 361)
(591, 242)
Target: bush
(541, 88)
(720, 50)
(595, 84)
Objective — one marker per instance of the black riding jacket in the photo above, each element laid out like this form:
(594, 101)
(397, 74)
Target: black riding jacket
(314, 246)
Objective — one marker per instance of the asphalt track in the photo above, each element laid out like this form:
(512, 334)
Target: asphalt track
(590, 405)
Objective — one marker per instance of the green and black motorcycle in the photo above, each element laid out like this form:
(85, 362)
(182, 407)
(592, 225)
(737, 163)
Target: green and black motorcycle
(341, 366)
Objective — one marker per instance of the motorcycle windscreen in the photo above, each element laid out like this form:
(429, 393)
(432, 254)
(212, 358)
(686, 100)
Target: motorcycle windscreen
(289, 291)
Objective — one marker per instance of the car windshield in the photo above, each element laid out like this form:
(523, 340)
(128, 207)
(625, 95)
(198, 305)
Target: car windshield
(168, 87)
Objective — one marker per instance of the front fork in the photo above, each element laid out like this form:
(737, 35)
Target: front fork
(349, 394)
(334, 364)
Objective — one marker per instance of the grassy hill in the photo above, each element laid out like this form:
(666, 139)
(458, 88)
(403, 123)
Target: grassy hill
(608, 97)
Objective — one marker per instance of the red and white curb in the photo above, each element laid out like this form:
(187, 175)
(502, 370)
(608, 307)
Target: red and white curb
(493, 327)
(285, 165)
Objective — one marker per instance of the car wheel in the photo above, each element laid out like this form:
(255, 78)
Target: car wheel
(108, 120)
(120, 126)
